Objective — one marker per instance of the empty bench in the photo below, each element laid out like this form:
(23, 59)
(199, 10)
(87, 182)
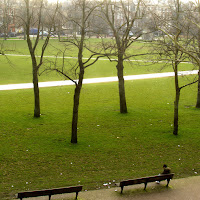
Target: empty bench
(50, 192)
(146, 180)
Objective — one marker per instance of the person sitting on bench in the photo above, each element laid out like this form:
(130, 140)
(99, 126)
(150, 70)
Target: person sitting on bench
(166, 170)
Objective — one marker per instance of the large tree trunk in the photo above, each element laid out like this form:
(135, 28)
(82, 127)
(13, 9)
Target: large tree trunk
(76, 106)
(122, 97)
(36, 93)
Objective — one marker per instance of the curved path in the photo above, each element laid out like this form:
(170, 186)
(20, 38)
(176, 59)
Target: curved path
(94, 80)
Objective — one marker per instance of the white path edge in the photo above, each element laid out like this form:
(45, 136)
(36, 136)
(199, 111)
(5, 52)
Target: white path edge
(100, 59)
(95, 80)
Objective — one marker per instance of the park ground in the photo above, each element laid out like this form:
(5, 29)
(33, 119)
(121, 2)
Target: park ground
(37, 154)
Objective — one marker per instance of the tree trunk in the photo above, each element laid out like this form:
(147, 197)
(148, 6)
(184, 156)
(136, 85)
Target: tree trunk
(5, 32)
(120, 74)
(24, 35)
(198, 93)
(198, 87)
(176, 102)
(76, 107)
(42, 31)
(59, 30)
(36, 93)
(176, 105)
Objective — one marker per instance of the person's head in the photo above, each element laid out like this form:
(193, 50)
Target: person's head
(164, 166)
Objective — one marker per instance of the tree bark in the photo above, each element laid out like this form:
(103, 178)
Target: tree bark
(176, 102)
(176, 105)
(36, 92)
(35, 79)
(198, 93)
(198, 87)
(76, 106)
(122, 97)
(81, 76)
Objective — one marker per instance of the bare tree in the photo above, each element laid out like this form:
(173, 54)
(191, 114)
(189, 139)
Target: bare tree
(168, 47)
(191, 43)
(121, 17)
(80, 20)
(33, 18)
(192, 12)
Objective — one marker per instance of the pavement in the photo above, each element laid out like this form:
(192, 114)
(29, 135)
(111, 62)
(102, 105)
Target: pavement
(95, 80)
(179, 189)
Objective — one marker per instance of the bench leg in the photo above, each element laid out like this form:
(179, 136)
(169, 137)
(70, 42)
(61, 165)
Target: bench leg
(122, 187)
(49, 197)
(76, 195)
(145, 186)
(168, 180)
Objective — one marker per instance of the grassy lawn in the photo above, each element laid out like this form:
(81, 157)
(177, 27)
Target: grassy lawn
(37, 153)
(20, 47)
(18, 69)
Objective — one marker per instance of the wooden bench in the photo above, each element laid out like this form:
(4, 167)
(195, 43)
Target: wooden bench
(50, 192)
(146, 180)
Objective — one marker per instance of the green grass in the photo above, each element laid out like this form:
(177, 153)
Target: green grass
(20, 47)
(37, 153)
(17, 69)
(14, 69)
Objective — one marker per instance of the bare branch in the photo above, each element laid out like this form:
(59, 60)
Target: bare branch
(188, 84)
(96, 59)
(64, 74)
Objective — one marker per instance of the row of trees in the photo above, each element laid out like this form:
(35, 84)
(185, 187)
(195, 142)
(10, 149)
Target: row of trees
(177, 30)
(82, 20)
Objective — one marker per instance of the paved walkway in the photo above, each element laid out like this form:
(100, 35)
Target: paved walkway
(179, 189)
(94, 80)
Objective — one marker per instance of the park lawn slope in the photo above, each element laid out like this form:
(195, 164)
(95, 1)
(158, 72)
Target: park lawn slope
(37, 153)
(55, 47)
(18, 69)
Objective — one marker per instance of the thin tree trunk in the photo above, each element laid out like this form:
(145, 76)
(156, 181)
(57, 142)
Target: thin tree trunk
(59, 30)
(5, 20)
(176, 102)
(76, 106)
(198, 87)
(24, 34)
(176, 105)
(42, 31)
(122, 97)
(36, 93)
(35, 80)
(198, 93)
